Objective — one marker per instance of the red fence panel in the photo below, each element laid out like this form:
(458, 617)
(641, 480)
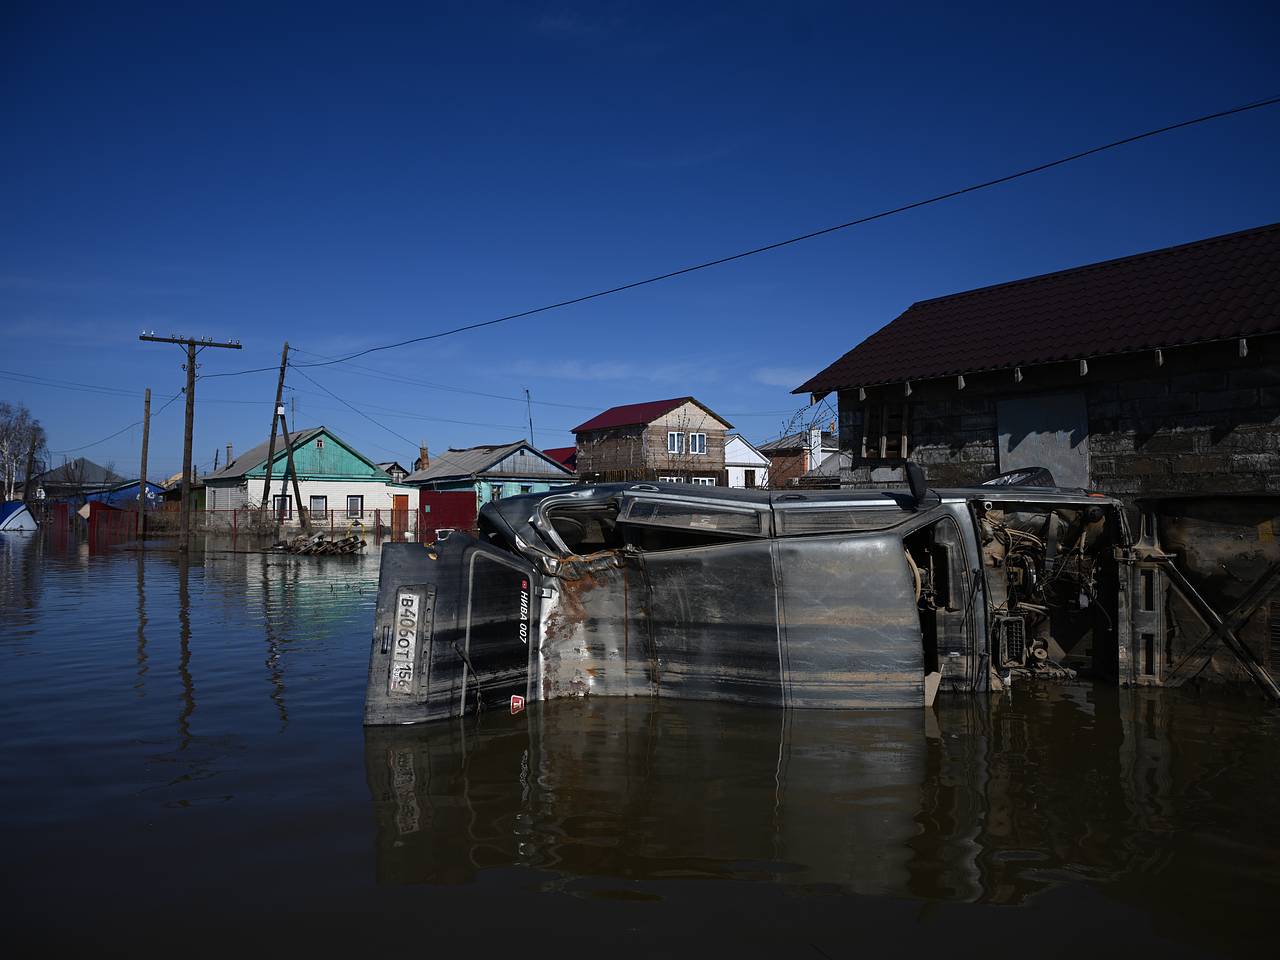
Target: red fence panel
(440, 510)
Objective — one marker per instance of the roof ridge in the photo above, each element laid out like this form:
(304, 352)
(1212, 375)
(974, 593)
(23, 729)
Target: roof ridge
(1083, 267)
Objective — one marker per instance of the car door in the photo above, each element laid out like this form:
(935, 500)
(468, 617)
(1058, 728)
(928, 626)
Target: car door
(712, 599)
(850, 629)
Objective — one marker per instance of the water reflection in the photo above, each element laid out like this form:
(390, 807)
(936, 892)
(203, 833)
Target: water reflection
(981, 802)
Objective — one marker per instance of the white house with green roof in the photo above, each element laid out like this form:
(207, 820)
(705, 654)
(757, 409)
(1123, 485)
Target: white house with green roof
(337, 483)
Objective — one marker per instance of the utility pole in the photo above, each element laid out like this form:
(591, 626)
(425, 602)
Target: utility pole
(142, 475)
(191, 343)
(279, 421)
(528, 406)
(276, 410)
(297, 497)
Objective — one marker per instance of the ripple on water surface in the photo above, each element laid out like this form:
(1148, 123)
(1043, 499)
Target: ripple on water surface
(186, 736)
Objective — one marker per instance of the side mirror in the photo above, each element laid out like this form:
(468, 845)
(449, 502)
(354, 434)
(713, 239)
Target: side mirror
(917, 482)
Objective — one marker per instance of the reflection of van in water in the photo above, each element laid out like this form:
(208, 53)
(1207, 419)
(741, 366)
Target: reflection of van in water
(813, 598)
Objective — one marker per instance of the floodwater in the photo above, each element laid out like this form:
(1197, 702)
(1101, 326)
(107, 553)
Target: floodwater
(184, 771)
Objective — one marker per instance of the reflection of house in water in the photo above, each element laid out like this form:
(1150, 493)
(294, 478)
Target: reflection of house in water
(981, 802)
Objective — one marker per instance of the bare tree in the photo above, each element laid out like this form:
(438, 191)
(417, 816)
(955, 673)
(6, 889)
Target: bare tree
(21, 438)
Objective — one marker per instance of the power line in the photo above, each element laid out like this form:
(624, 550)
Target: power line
(136, 423)
(437, 459)
(374, 373)
(353, 408)
(433, 385)
(1039, 168)
(38, 381)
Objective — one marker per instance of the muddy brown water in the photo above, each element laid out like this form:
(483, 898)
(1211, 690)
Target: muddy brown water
(184, 771)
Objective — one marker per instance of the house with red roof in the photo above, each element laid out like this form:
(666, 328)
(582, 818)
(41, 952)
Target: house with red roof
(567, 457)
(678, 440)
(1152, 374)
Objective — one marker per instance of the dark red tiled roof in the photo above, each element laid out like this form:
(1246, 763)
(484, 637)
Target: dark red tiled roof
(1216, 289)
(567, 457)
(632, 413)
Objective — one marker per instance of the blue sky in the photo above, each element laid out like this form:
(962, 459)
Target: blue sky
(347, 175)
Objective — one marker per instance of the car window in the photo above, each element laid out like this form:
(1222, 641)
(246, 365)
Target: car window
(659, 524)
(810, 518)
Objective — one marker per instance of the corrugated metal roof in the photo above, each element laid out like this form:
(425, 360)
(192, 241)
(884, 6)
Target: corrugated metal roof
(81, 470)
(246, 461)
(1216, 289)
(796, 441)
(471, 461)
(567, 457)
(631, 413)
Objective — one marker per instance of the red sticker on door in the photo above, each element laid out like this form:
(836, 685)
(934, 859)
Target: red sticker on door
(517, 704)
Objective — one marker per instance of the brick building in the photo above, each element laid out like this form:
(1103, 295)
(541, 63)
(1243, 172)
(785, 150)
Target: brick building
(1152, 374)
(794, 455)
(677, 440)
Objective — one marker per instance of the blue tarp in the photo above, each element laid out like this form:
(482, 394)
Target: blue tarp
(126, 495)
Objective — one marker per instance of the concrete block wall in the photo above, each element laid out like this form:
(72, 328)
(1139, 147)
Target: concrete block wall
(1206, 420)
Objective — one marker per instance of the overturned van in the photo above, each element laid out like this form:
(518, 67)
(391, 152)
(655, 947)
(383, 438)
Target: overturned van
(793, 599)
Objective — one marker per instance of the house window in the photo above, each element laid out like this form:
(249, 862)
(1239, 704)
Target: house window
(697, 443)
(526, 488)
(355, 507)
(749, 479)
(320, 443)
(705, 481)
(675, 442)
(319, 507)
(672, 479)
(283, 506)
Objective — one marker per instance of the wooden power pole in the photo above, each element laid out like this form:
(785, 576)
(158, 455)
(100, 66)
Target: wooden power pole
(279, 422)
(276, 411)
(142, 476)
(191, 343)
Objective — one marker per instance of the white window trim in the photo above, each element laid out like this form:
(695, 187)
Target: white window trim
(288, 505)
(675, 441)
(696, 441)
(671, 479)
(704, 481)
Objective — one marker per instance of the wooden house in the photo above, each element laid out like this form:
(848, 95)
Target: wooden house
(678, 440)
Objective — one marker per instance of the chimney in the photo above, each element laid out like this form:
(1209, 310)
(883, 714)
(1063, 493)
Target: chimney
(424, 460)
(815, 448)
(228, 463)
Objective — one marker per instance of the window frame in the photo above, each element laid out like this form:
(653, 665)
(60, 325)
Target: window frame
(359, 513)
(698, 444)
(675, 442)
(311, 505)
(671, 480)
(287, 513)
(703, 481)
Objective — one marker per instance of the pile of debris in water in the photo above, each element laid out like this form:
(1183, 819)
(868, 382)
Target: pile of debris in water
(320, 545)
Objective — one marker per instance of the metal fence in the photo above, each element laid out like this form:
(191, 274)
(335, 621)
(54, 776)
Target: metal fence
(370, 524)
(110, 524)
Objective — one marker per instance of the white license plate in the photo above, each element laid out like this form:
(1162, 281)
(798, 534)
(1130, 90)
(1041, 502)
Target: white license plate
(404, 645)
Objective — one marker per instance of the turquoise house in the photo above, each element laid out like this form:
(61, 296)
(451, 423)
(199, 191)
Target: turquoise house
(338, 484)
(492, 471)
